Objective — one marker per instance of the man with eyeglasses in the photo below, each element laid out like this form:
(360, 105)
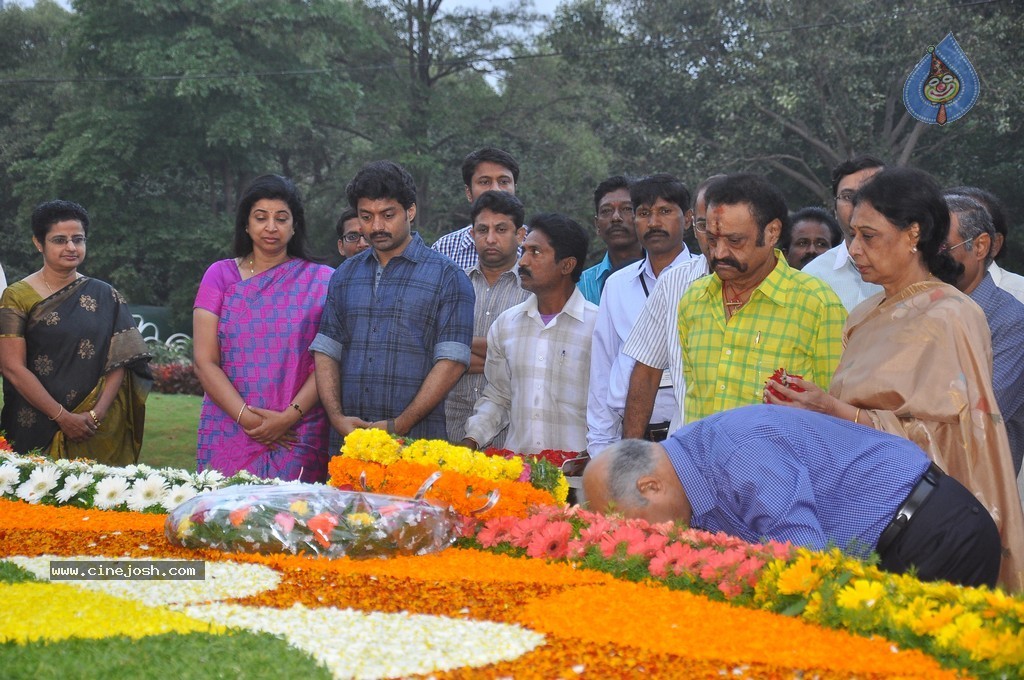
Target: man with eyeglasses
(653, 342)
(661, 209)
(351, 241)
(835, 267)
(498, 232)
(615, 226)
(970, 242)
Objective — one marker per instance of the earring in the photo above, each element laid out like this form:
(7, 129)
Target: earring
(914, 249)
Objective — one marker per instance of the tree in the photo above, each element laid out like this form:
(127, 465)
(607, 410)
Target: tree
(177, 105)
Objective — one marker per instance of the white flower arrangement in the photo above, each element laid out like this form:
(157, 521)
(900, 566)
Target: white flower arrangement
(86, 484)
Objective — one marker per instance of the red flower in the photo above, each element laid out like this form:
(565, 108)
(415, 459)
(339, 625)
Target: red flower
(551, 542)
(322, 526)
(238, 515)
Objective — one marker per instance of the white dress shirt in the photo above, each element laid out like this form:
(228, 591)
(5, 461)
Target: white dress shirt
(537, 378)
(654, 339)
(625, 293)
(836, 268)
(1008, 281)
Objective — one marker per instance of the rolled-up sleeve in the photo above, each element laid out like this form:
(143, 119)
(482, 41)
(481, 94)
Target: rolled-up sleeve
(455, 318)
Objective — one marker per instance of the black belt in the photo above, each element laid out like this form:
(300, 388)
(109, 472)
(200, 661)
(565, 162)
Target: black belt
(915, 499)
(657, 432)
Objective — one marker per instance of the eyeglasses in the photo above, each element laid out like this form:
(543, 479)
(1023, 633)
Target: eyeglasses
(62, 241)
(950, 249)
(845, 197)
(352, 237)
(700, 224)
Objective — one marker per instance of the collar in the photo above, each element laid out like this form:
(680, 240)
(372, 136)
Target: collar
(843, 258)
(575, 306)
(644, 265)
(466, 238)
(476, 271)
(775, 286)
(416, 251)
(985, 289)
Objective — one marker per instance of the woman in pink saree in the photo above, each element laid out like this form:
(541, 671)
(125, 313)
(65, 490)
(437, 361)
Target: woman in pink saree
(254, 318)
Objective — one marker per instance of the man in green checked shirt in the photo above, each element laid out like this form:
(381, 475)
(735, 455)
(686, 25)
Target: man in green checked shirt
(755, 314)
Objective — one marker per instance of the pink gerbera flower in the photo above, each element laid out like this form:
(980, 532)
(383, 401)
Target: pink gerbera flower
(551, 542)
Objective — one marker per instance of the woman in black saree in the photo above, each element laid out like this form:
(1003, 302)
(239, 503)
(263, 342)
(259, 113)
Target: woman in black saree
(74, 364)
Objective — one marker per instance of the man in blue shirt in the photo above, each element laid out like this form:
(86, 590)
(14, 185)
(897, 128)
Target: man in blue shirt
(765, 472)
(970, 242)
(615, 226)
(397, 326)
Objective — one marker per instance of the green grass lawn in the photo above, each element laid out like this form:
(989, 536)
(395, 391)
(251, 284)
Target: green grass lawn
(171, 424)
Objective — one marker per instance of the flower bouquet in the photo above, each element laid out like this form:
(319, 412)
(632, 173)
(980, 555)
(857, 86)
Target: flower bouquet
(780, 377)
(311, 519)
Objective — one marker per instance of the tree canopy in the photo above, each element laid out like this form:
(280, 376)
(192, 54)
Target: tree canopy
(155, 113)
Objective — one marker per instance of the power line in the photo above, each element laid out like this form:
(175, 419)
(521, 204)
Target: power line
(468, 61)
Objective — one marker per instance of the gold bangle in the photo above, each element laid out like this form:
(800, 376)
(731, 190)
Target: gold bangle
(856, 417)
(58, 412)
(238, 418)
(296, 407)
(94, 418)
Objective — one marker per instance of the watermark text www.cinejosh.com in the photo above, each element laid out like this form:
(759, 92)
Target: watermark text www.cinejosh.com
(127, 570)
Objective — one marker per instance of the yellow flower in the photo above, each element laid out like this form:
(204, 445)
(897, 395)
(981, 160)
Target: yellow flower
(800, 577)
(360, 518)
(960, 632)
(561, 492)
(184, 528)
(372, 445)
(860, 593)
(299, 508)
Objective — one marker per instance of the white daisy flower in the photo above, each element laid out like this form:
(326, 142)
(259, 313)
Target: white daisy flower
(10, 475)
(42, 480)
(147, 492)
(178, 494)
(74, 485)
(111, 492)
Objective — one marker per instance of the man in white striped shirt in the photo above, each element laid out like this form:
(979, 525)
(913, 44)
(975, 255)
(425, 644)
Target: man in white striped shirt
(661, 205)
(654, 341)
(538, 352)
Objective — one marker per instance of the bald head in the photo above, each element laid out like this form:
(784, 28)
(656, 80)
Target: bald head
(636, 478)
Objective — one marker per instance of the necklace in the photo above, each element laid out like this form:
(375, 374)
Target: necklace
(47, 283)
(252, 267)
(734, 300)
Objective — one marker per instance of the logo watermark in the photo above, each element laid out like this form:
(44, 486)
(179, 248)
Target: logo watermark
(127, 570)
(943, 86)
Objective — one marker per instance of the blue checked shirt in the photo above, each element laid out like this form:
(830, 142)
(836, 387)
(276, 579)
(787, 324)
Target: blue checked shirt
(387, 327)
(784, 474)
(1005, 315)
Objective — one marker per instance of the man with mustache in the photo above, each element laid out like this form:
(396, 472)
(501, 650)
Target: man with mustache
(755, 314)
(498, 231)
(813, 231)
(614, 223)
(653, 343)
(661, 209)
(538, 352)
(398, 321)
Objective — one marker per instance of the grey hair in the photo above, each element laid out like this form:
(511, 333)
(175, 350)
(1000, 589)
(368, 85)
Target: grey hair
(630, 459)
(974, 221)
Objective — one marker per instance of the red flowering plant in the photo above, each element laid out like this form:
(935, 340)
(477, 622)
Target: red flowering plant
(719, 566)
(4, 444)
(542, 470)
